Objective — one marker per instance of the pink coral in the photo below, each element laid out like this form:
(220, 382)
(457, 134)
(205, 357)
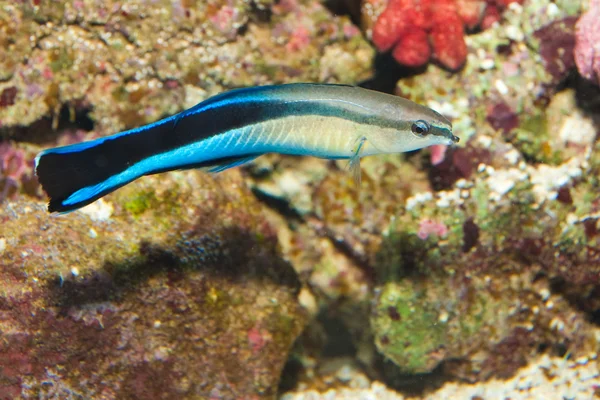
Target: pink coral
(587, 43)
(438, 153)
(12, 161)
(428, 227)
(258, 339)
(16, 171)
(299, 40)
(419, 29)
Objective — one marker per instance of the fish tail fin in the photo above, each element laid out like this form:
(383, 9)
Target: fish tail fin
(74, 176)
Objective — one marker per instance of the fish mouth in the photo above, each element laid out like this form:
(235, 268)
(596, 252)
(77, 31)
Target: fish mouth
(448, 135)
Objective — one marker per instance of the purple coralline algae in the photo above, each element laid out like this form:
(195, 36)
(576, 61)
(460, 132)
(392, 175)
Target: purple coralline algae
(587, 47)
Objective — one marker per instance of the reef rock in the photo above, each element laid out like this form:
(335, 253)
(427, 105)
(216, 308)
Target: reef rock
(130, 63)
(172, 287)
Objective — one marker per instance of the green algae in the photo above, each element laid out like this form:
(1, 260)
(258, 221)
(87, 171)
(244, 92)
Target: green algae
(141, 202)
(534, 140)
(407, 327)
(61, 59)
(418, 323)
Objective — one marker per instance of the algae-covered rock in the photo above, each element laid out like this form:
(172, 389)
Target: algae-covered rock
(172, 287)
(502, 261)
(484, 276)
(419, 323)
(130, 63)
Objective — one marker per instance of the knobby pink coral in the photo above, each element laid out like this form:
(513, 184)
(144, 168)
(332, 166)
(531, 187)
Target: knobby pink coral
(419, 29)
(587, 43)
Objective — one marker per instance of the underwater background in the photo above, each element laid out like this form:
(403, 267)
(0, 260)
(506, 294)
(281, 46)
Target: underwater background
(469, 272)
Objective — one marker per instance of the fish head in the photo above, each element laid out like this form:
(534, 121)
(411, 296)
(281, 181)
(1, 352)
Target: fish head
(415, 127)
(434, 129)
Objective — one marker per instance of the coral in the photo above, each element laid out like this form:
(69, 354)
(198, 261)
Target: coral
(428, 228)
(186, 296)
(417, 29)
(587, 44)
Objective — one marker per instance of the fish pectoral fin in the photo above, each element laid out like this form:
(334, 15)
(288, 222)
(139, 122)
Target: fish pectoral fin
(354, 162)
(354, 168)
(222, 164)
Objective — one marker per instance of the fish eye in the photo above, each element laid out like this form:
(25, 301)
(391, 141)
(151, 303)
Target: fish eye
(420, 128)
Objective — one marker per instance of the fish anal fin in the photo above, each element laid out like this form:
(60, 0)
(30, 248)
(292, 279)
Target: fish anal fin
(223, 164)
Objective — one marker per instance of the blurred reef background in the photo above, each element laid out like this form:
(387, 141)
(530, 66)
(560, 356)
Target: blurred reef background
(469, 272)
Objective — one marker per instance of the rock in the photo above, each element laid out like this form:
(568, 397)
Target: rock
(181, 293)
(110, 61)
(484, 309)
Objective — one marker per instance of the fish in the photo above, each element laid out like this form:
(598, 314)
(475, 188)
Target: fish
(233, 128)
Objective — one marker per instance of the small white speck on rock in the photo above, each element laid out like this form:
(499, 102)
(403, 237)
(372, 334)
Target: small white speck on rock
(98, 211)
(501, 87)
